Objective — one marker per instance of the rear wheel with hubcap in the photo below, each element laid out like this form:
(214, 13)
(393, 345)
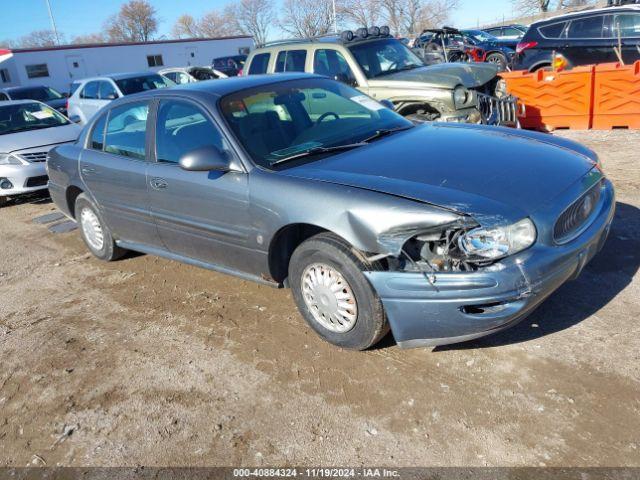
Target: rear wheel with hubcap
(334, 296)
(497, 59)
(95, 233)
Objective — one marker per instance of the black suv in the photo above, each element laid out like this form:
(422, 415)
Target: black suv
(581, 38)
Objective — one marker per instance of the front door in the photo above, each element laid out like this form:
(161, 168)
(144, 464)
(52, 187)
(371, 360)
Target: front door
(114, 168)
(200, 215)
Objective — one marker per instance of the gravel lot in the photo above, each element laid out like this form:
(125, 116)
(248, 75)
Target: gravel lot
(149, 362)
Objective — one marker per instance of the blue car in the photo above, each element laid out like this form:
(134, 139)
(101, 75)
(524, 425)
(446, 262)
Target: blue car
(439, 232)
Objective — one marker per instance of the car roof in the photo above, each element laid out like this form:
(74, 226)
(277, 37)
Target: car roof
(304, 43)
(229, 85)
(117, 76)
(24, 87)
(17, 102)
(588, 11)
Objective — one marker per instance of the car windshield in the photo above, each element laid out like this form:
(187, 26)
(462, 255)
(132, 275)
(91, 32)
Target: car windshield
(385, 56)
(201, 73)
(480, 36)
(42, 94)
(298, 118)
(28, 116)
(129, 86)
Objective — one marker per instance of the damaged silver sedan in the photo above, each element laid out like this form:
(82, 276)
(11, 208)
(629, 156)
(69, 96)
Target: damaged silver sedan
(440, 232)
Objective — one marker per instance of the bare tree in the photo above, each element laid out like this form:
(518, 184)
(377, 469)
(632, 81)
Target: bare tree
(530, 7)
(307, 18)
(214, 24)
(362, 13)
(38, 38)
(252, 17)
(186, 27)
(89, 38)
(136, 22)
(410, 17)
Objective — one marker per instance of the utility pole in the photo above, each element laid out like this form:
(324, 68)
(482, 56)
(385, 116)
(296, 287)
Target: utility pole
(53, 22)
(335, 18)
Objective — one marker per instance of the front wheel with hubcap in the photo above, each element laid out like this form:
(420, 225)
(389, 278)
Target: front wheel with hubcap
(333, 295)
(95, 233)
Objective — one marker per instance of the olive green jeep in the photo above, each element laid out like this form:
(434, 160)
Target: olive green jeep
(386, 69)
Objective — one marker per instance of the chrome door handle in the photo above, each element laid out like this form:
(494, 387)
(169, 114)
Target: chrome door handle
(87, 170)
(158, 183)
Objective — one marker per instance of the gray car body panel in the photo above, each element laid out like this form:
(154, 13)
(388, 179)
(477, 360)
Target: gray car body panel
(376, 198)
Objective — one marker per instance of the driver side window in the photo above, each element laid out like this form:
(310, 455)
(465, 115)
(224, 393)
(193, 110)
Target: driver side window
(183, 127)
(332, 64)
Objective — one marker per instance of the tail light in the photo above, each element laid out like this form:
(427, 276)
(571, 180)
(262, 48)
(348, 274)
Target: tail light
(66, 106)
(522, 46)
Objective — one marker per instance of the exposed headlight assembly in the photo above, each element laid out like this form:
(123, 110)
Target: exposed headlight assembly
(10, 159)
(461, 96)
(498, 242)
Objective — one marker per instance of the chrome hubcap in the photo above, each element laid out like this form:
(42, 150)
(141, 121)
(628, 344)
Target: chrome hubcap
(329, 298)
(92, 228)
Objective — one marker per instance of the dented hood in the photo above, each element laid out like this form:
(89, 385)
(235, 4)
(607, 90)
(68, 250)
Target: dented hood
(495, 175)
(447, 75)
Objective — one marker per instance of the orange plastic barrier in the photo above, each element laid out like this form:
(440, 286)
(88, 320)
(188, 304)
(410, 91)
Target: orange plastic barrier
(554, 99)
(616, 96)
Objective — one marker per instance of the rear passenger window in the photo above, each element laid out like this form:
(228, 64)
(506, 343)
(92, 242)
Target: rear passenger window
(590, 27)
(291, 61)
(553, 31)
(90, 91)
(126, 130)
(97, 134)
(259, 64)
(183, 127)
(627, 24)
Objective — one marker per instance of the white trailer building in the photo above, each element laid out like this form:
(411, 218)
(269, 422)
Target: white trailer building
(57, 67)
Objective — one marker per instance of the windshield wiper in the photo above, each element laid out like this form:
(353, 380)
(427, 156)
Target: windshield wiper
(317, 150)
(383, 132)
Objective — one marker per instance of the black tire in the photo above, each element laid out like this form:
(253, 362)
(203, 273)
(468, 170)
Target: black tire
(4, 201)
(109, 251)
(498, 59)
(328, 249)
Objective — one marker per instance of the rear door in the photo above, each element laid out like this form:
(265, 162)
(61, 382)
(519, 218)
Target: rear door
(587, 41)
(626, 29)
(114, 168)
(200, 215)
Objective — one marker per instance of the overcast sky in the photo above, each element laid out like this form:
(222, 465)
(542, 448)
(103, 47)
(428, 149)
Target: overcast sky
(78, 17)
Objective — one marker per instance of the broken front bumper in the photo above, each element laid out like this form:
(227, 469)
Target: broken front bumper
(498, 111)
(458, 307)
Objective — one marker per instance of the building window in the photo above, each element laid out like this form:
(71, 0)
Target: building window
(4, 75)
(37, 71)
(155, 60)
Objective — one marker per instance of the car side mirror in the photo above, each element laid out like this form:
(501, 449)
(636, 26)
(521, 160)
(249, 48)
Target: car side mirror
(341, 77)
(75, 118)
(112, 96)
(205, 159)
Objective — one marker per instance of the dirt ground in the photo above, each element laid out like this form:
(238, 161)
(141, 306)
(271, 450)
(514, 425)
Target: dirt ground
(146, 361)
